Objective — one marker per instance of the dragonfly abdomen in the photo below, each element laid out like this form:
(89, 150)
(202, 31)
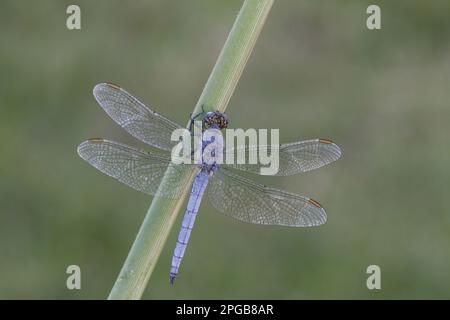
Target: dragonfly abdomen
(195, 198)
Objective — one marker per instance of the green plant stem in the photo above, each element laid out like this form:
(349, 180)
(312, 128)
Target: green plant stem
(216, 94)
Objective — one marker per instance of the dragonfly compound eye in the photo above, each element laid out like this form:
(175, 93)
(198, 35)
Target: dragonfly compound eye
(215, 119)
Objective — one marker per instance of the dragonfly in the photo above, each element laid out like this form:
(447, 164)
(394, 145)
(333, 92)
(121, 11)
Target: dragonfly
(228, 191)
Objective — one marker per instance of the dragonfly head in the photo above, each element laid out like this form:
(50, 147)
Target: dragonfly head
(215, 120)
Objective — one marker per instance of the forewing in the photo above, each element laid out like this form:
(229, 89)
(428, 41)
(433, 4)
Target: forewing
(132, 115)
(138, 169)
(294, 157)
(251, 202)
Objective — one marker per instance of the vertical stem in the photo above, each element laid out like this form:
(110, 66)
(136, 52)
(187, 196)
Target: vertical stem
(216, 94)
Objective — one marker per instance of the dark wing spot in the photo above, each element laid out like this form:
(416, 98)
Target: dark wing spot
(114, 86)
(96, 140)
(315, 203)
(325, 141)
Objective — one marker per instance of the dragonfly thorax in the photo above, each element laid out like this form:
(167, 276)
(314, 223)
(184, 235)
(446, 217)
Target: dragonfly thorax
(209, 157)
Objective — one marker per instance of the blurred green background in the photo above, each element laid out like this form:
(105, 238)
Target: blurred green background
(316, 71)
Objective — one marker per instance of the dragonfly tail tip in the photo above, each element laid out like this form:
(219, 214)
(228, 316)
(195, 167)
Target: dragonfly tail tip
(172, 278)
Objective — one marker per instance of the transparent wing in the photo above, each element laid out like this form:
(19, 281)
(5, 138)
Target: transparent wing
(294, 157)
(251, 202)
(132, 115)
(138, 169)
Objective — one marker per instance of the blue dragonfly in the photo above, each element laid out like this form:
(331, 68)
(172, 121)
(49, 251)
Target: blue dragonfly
(230, 193)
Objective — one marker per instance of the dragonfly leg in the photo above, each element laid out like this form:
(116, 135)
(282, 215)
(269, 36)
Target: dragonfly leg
(193, 118)
(191, 123)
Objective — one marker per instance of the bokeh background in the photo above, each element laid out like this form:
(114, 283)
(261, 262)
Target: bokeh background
(316, 71)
